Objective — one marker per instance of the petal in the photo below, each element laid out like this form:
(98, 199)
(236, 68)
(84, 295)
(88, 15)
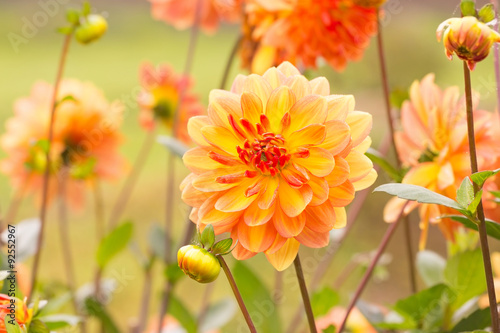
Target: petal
(363, 146)
(360, 124)
(446, 176)
(392, 209)
(320, 189)
(206, 182)
(340, 217)
(339, 106)
(366, 181)
(197, 160)
(321, 218)
(293, 201)
(284, 257)
(288, 69)
(219, 110)
(313, 239)
(279, 103)
(359, 164)
(258, 238)
(235, 200)
(339, 174)
(288, 226)
(195, 124)
(308, 110)
(320, 86)
(221, 138)
(238, 84)
(268, 198)
(274, 77)
(299, 85)
(252, 107)
(423, 174)
(320, 162)
(337, 136)
(342, 195)
(194, 197)
(257, 85)
(307, 136)
(255, 216)
(239, 252)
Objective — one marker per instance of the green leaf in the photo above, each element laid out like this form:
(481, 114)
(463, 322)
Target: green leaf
(496, 194)
(468, 7)
(487, 13)
(12, 326)
(208, 237)
(218, 315)
(480, 177)
(173, 273)
(480, 318)
(95, 309)
(464, 273)
(420, 194)
(323, 300)
(73, 16)
(37, 326)
(65, 30)
(113, 243)
(57, 321)
(472, 207)
(43, 145)
(257, 298)
(465, 193)
(398, 96)
(330, 329)
(430, 266)
(492, 227)
(185, 318)
(377, 158)
(222, 247)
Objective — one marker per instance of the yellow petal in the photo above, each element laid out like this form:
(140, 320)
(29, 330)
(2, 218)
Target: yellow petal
(222, 138)
(340, 217)
(446, 176)
(308, 110)
(252, 107)
(320, 162)
(337, 136)
(197, 160)
(307, 136)
(339, 174)
(288, 226)
(195, 124)
(339, 106)
(299, 85)
(206, 182)
(258, 238)
(293, 201)
(320, 86)
(288, 69)
(220, 108)
(279, 103)
(423, 175)
(284, 257)
(263, 59)
(363, 146)
(235, 200)
(256, 84)
(360, 124)
(320, 190)
(268, 198)
(278, 243)
(274, 77)
(359, 164)
(366, 181)
(238, 84)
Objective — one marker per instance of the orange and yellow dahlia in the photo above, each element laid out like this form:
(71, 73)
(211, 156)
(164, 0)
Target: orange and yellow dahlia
(159, 99)
(278, 159)
(85, 143)
(433, 145)
(13, 309)
(301, 31)
(182, 13)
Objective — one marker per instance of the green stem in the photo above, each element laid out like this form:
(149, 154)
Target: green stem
(483, 236)
(305, 295)
(237, 294)
(46, 175)
(390, 122)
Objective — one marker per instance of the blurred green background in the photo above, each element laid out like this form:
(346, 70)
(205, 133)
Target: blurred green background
(113, 63)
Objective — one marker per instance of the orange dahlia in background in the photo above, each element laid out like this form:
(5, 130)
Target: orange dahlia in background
(85, 144)
(182, 13)
(159, 98)
(278, 160)
(22, 315)
(433, 144)
(301, 31)
(356, 323)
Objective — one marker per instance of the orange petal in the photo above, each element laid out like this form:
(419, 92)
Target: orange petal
(255, 216)
(278, 243)
(274, 77)
(220, 108)
(307, 136)
(423, 174)
(360, 124)
(258, 238)
(288, 226)
(222, 138)
(339, 174)
(342, 195)
(252, 107)
(239, 251)
(321, 218)
(339, 106)
(195, 124)
(288, 69)
(313, 239)
(393, 208)
(320, 190)
(337, 136)
(293, 201)
(268, 198)
(235, 200)
(299, 85)
(366, 181)
(293, 177)
(284, 257)
(359, 164)
(446, 176)
(256, 84)
(279, 103)
(193, 197)
(197, 160)
(308, 110)
(320, 86)
(206, 181)
(320, 162)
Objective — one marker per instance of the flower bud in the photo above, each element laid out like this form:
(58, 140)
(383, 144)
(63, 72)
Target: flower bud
(468, 38)
(198, 263)
(91, 29)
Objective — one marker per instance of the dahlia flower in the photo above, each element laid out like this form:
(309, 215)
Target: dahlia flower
(159, 98)
(468, 38)
(181, 14)
(433, 144)
(22, 315)
(85, 142)
(356, 323)
(278, 159)
(303, 31)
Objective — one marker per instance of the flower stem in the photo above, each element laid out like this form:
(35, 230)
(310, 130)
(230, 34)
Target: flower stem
(305, 295)
(237, 294)
(390, 122)
(100, 232)
(46, 175)
(483, 236)
(380, 250)
(146, 296)
(229, 62)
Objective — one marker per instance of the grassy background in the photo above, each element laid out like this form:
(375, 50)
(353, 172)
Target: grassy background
(113, 63)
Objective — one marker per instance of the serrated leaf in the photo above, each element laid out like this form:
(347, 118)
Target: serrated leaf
(173, 273)
(492, 227)
(324, 300)
(468, 7)
(207, 237)
(377, 158)
(465, 193)
(37, 326)
(95, 309)
(113, 243)
(464, 273)
(222, 246)
(182, 314)
(480, 177)
(218, 315)
(420, 194)
(480, 318)
(486, 13)
(175, 146)
(472, 208)
(430, 267)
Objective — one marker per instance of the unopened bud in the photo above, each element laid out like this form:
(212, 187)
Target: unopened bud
(91, 29)
(198, 263)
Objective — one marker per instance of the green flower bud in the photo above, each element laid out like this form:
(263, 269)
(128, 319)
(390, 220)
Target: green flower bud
(198, 263)
(91, 29)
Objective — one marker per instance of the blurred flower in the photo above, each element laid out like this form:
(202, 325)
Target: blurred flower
(278, 160)
(170, 325)
(182, 13)
(433, 145)
(303, 31)
(356, 323)
(21, 313)
(85, 143)
(91, 29)
(159, 99)
(198, 263)
(468, 38)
